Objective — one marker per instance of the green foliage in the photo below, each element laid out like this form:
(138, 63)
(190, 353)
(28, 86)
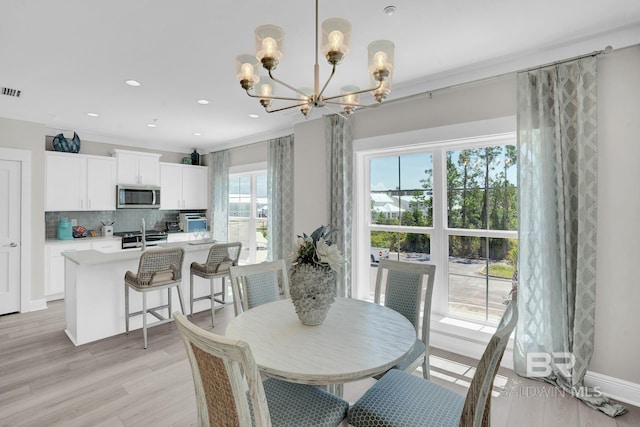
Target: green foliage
(504, 271)
(480, 195)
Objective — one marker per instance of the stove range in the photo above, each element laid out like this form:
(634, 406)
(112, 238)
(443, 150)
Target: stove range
(133, 239)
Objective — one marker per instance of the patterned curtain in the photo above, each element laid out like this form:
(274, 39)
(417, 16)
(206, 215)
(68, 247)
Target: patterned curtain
(219, 173)
(340, 148)
(558, 147)
(280, 196)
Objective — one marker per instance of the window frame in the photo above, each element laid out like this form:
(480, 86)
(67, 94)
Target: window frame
(438, 145)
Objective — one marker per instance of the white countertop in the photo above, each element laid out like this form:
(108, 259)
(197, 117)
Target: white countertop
(94, 257)
(81, 240)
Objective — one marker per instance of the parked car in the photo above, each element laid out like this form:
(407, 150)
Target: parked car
(379, 253)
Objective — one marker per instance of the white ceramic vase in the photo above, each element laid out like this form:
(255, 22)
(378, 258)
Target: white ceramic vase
(312, 292)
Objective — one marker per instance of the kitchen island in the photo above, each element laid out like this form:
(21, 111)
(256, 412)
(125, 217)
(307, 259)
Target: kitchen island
(94, 290)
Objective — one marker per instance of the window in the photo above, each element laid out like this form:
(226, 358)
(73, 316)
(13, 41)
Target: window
(481, 229)
(248, 216)
(454, 205)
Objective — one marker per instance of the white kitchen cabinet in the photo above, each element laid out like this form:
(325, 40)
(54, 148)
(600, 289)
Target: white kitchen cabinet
(54, 267)
(183, 186)
(137, 167)
(77, 182)
(54, 261)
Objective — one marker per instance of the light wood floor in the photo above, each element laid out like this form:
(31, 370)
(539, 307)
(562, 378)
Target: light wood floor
(45, 380)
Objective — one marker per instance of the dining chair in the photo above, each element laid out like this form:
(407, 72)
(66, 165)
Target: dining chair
(400, 398)
(406, 286)
(158, 269)
(221, 367)
(257, 284)
(221, 257)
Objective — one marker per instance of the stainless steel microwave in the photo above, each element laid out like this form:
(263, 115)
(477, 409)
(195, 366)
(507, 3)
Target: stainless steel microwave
(138, 197)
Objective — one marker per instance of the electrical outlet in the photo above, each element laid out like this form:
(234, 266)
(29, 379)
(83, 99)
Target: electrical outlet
(74, 222)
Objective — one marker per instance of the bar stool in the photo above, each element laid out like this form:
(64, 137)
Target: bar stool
(158, 269)
(221, 257)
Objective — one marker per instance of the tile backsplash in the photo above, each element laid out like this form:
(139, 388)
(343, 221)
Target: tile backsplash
(124, 219)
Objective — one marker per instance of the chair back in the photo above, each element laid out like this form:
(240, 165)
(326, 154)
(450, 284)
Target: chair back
(160, 266)
(257, 284)
(406, 285)
(477, 405)
(223, 256)
(220, 366)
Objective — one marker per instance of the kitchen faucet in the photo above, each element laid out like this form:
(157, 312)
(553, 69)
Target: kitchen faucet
(144, 232)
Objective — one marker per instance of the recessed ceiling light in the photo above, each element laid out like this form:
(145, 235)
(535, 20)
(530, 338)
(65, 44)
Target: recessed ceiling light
(203, 101)
(151, 125)
(93, 114)
(390, 10)
(133, 83)
(253, 116)
(197, 134)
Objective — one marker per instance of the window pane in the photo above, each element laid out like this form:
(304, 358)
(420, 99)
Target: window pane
(401, 190)
(261, 196)
(480, 275)
(240, 197)
(245, 225)
(408, 247)
(482, 188)
(239, 232)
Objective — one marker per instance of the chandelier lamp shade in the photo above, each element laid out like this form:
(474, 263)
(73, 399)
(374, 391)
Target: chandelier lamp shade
(336, 35)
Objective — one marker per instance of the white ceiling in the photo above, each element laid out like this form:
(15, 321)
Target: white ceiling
(71, 57)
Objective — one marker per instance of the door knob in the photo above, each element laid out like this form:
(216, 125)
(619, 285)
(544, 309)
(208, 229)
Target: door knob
(12, 244)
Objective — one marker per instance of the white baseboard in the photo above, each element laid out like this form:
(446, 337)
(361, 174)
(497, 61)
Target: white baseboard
(615, 388)
(473, 346)
(38, 304)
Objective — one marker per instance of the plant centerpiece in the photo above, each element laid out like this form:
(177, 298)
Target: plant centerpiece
(312, 275)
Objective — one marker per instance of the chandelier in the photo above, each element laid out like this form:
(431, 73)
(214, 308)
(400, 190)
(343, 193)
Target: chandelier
(336, 33)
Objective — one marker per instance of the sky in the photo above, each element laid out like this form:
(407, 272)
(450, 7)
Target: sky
(384, 170)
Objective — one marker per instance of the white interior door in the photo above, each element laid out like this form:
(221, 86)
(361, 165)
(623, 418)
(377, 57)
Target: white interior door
(10, 189)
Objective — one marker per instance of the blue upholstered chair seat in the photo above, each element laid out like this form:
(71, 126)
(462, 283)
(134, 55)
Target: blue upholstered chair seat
(299, 405)
(402, 399)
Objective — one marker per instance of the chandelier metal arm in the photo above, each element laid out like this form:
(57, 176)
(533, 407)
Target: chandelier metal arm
(373, 89)
(289, 107)
(281, 98)
(374, 105)
(333, 71)
(296, 90)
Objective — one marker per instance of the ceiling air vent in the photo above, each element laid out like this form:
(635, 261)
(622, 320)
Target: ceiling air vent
(11, 92)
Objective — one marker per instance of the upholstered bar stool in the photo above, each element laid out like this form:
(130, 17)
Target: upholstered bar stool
(221, 257)
(158, 269)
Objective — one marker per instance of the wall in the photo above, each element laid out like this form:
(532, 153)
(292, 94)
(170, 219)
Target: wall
(617, 341)
(248, 154)
(310, 190)
(28, 136)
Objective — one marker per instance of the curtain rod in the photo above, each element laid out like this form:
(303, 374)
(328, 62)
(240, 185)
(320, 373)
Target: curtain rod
(606, 50)
(429, 93)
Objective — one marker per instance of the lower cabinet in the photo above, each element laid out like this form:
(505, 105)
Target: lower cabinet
(54, 262)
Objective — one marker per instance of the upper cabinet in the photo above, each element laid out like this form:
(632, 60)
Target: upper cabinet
(183, 186)
(78, 182)
(138, 168)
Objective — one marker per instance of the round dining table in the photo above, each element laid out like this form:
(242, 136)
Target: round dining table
(357, 340)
